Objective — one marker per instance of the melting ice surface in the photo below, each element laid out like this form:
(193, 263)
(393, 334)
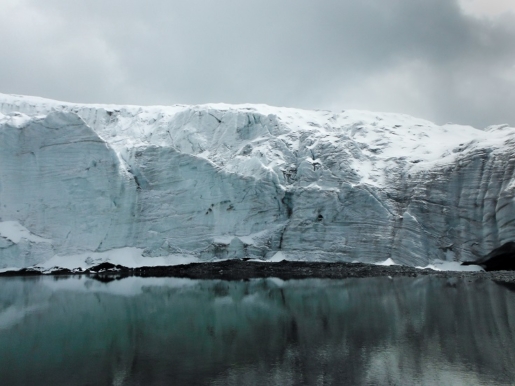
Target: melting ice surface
(85, 184)
(169, 331)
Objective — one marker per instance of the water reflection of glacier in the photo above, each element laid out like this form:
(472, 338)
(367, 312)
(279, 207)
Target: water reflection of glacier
(135, 331)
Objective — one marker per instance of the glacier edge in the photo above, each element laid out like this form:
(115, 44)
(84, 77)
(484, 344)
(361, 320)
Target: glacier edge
(222, 181)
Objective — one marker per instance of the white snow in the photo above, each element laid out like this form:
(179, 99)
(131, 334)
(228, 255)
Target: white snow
(387, 263)
(451, 266)
(15, 232)
(380, 136)
(277, 257)
(128, 257)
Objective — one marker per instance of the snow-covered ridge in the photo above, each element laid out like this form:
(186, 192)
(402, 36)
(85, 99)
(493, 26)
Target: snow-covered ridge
(250, 139)
(251, 180)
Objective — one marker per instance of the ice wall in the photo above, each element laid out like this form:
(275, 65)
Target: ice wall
(224, 181)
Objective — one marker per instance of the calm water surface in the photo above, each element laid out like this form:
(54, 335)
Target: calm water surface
(168, 331)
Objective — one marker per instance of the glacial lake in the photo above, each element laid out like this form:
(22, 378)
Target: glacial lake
(170, 331)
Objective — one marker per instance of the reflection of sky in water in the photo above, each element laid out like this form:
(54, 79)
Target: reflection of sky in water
(147, 331)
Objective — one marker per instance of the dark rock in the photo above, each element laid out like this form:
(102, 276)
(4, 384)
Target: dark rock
(500, 259)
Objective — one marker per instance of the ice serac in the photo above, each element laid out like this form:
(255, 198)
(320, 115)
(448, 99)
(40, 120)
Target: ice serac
(223, 181)
(64, 184)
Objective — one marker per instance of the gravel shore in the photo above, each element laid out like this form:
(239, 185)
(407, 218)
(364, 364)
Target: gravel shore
(243, 270)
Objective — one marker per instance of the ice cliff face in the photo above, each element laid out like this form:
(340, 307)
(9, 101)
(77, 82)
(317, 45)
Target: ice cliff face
(154, 185)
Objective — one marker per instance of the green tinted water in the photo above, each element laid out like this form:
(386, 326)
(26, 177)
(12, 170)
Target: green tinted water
(168, 331)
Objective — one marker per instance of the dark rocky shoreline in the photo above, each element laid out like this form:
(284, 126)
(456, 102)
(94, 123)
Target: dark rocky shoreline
(286, 270)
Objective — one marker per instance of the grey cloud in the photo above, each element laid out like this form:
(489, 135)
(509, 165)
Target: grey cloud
(323, 54)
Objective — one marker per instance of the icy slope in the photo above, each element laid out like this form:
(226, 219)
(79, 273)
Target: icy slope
(230, 181)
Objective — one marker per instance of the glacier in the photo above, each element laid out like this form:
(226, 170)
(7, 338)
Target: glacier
(82, 184)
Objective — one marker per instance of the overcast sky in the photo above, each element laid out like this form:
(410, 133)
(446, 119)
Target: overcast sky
(444, 60)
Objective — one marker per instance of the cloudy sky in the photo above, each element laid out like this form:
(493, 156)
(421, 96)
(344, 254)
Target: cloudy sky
(444, 60)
